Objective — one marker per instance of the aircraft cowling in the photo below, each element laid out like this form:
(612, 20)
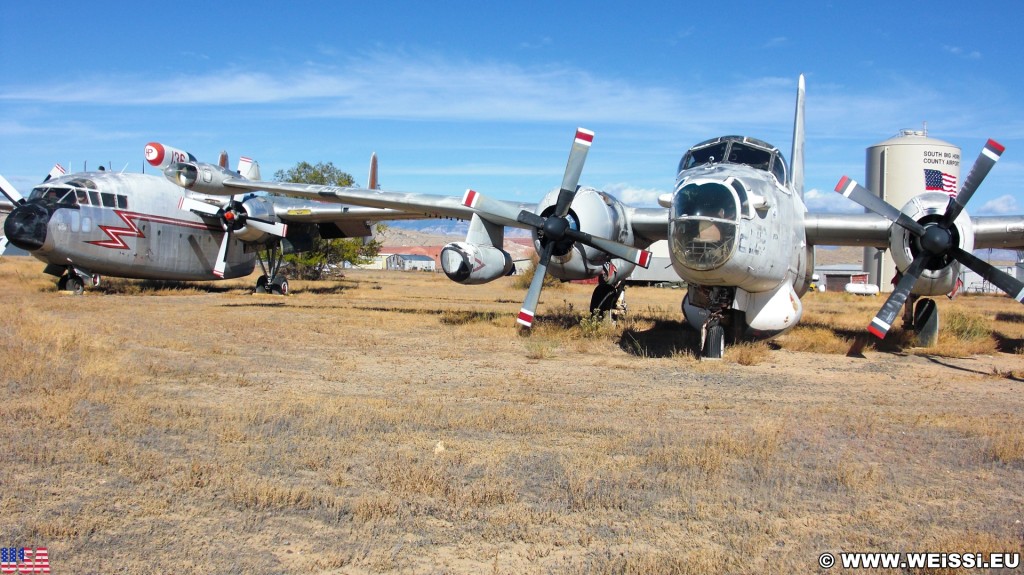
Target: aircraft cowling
(257, 207)
(473, 264)
(200, 177)
(596, 213)
(939, 276)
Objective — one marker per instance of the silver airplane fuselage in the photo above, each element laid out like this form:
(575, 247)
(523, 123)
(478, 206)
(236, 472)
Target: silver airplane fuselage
(122, 225)
(736, 233)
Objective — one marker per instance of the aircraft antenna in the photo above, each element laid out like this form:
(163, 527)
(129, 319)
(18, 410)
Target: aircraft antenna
(125, 167)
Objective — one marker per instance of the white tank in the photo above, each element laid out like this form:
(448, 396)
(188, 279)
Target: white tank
(897, 170)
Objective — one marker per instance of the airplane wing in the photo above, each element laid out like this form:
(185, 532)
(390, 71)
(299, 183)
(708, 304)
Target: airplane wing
(872, 230)
(998, 232)
(869, 230)
(334, 219)
(650, 224)
(413, 206)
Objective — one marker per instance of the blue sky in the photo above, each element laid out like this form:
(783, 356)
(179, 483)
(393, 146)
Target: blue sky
(453, 95)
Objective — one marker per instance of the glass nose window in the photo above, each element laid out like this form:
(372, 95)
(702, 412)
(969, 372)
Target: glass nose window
(703, 225)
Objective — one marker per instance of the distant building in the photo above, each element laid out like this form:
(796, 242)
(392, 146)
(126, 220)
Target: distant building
(411, 262)
(660, 269)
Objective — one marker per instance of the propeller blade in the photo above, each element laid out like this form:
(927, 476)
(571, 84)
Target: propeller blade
(858, 193)
(485, 205)
(641, 258)
(201, 208)
(882, 322)
(573, 169)
(10, 192)
(274, 228)
(55, 172)
(529, 309)
(3, 245)
(531, 219)
(986, 159)
(222, 255)
(1002, 280)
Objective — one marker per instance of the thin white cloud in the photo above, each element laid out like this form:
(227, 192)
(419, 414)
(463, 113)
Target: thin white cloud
(961, 53)
(829, 202)
(634, 196)
(1003, 205)
(399, 86)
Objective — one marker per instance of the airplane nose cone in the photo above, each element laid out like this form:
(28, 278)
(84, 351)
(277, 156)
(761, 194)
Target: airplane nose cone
(25, 226)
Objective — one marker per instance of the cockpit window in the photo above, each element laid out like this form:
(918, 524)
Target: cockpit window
(55, 195)
(779, 169)
(83, 183)
(736, 150)
(753, 157)
(698, 156)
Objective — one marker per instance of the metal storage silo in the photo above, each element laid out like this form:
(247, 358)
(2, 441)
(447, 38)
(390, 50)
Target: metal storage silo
(900, 168)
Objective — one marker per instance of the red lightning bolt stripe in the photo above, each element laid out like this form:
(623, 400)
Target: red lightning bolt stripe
(117, 235)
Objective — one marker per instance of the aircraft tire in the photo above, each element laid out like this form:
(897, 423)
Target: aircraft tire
(261, 285)
(75, 285)
(714, 343)
(279, 286)
(604, 298)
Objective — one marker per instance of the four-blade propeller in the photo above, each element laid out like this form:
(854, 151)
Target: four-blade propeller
(557, 229)
(935, 240)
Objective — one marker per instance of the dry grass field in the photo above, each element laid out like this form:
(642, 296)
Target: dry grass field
(396, 423)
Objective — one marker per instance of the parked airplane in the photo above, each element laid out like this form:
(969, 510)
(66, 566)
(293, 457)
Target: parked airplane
(142, 226)
(739, 233)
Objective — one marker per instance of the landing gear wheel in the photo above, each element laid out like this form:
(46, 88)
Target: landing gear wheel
(714, 342)
(279, 286)
(604, 298)
(261, 284)
(926, 322)
(73, 284)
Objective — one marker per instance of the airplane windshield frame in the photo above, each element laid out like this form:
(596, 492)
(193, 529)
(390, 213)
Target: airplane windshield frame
(737, 150)
(78, 192)
(62, 194)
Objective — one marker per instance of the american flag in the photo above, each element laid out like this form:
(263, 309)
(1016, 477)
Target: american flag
(940, 181)
(24, 560)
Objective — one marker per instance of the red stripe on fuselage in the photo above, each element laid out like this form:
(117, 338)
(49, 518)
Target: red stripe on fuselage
(116, 234)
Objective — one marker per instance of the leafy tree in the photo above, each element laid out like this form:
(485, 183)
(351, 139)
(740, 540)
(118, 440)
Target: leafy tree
(314, 264)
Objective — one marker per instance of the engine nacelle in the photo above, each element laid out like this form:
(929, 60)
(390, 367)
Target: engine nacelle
(473, 264)
(596, 213)
(161, 156)
(939, 277)
(256, 207)
(200, 177)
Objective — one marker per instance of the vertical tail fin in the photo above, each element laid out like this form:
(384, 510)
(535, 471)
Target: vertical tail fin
(371, 181)
(796, 158)
(248, 168)
(372, 184)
